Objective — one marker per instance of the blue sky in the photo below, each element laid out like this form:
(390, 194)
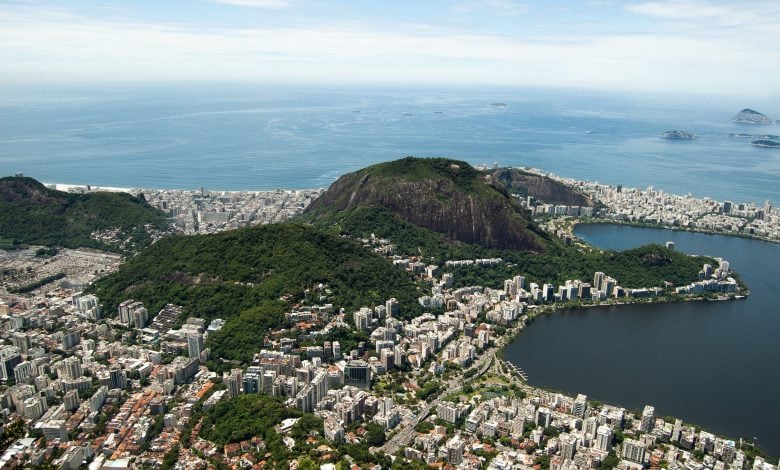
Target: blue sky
(682, 46)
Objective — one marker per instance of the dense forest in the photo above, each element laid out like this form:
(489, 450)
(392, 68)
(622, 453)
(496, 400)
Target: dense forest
(647, 266)
(245, 416)
(32, 214)
(251, 276)
(222, 274)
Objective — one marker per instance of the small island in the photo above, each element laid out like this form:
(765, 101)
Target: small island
(765, 143)
(498, 105)
(677, 135)
(751, 136)
(750, 116)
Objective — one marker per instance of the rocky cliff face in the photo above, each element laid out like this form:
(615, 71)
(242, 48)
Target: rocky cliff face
(542, 189)
(446, 196)
(749, 116)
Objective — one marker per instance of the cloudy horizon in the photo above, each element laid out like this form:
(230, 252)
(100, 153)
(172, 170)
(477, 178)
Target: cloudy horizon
(671, 46)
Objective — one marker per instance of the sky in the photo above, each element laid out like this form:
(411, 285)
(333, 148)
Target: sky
(671, 46)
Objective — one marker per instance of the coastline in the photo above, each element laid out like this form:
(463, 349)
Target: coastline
(513, 334)
(86, 187)
(604, 221)
(69, 187)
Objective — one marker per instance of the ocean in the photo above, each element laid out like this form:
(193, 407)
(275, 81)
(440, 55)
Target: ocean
(243, 137)
(239, 136)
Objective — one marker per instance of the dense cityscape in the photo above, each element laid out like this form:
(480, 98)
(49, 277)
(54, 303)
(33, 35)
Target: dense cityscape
(658, 208)
(130, 388)
(334, 235)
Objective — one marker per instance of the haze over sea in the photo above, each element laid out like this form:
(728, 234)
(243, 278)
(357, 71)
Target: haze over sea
(238, 136)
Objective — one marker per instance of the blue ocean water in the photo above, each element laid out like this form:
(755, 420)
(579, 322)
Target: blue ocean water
(232, 136)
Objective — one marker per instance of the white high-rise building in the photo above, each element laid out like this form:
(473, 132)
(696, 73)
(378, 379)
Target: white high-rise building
(633, 451)
(580, 406)
(598, 278)
(70, 368)
(23, 373)
(232, 384)
(648, 419)
(604, 438)
(536, 293)
(676, 431)
(543, 416)
(194, 344)
(568, 445)
(71, 400)
(455, 451)
(548, 292)
(589, 427)
(392, 307)
(362, 319)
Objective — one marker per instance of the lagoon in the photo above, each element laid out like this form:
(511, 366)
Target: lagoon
(714, 364)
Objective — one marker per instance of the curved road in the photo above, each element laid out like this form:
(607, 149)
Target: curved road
(405, 432)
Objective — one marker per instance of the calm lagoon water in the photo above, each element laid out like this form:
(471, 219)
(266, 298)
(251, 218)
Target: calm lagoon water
(710, 363)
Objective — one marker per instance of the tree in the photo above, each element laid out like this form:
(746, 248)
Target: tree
(375, 435)
(305, 463)
(424, 427)
(543, 461)
(610, 461)
(170, 458)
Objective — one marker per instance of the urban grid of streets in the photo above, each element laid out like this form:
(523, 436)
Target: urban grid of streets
(134, 375)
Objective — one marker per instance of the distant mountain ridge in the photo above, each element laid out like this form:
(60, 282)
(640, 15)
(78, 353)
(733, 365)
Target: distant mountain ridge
(31, 213)
(446, 196)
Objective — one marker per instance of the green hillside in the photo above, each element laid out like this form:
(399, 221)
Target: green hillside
(380, 199)
(31, 214)
(250, 276)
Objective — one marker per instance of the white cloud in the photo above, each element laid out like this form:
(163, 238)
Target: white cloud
(258, 3)
(58, 46)
(498, 7)
(708, 13)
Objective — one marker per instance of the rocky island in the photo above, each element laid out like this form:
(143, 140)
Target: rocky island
(750, 116)
(765, 143)
(751, 136)
(677, 135)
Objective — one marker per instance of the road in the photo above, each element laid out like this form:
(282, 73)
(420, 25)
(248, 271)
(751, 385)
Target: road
(406, 431)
